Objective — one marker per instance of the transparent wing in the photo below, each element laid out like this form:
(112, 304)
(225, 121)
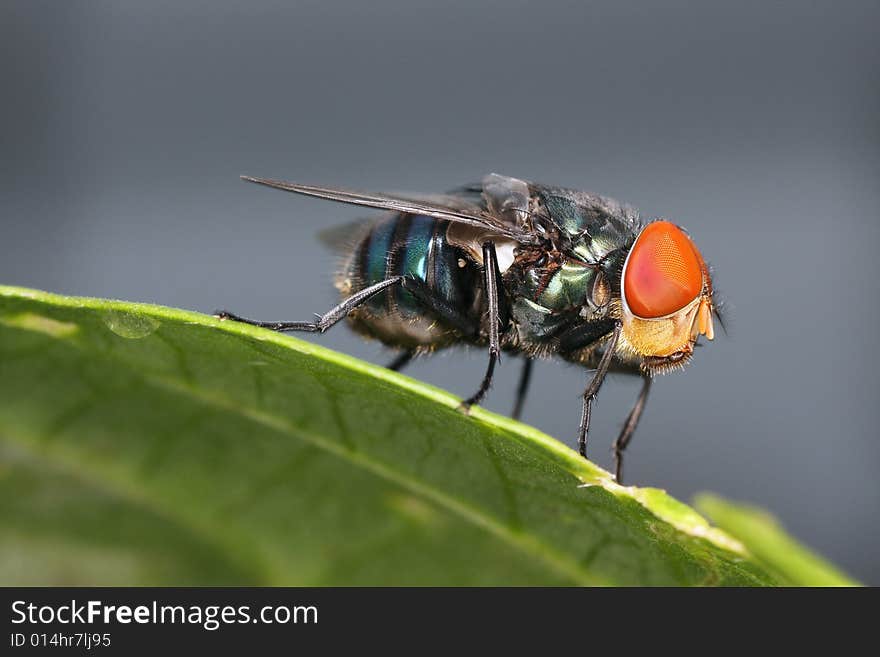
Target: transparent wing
(448, 207)
(343, 238)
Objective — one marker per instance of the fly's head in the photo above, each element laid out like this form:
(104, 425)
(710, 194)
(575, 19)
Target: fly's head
(666, 297)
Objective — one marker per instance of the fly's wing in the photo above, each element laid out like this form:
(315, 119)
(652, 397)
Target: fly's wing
(344, 237)
(508, 198)
(448, 207)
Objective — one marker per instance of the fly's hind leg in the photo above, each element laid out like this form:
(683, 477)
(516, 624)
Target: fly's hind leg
(325, 321)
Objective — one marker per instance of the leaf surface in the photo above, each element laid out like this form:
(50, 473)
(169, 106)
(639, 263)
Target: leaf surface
(147, 445)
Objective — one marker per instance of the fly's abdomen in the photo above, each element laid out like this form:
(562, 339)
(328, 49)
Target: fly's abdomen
(414, 246)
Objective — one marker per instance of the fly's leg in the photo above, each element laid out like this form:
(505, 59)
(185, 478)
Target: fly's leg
(325, 321)
(491, 278)
(584, 335)
(629, 427)
(593, 389)
(522, 388)
(400, 361)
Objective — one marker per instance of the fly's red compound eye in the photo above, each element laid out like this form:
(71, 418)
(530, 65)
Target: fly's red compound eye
(664, 272)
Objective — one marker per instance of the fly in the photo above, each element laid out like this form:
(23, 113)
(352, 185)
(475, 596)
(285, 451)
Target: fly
(529, 269)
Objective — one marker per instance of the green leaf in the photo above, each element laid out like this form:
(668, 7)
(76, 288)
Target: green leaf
(791, 563)
(146, 445)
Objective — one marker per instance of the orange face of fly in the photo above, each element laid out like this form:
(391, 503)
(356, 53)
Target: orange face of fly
(666, 293)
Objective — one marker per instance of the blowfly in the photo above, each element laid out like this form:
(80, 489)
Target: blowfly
(529, 269)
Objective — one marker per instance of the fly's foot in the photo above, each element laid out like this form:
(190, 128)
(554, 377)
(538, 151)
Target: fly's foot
(223, 315)
(465, 407)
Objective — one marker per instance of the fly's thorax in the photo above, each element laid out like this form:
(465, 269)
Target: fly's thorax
(665, 296)
(559, 283)
(551, 292)
(597, 224)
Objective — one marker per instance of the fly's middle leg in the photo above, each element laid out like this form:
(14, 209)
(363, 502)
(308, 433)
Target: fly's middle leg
(496, 313)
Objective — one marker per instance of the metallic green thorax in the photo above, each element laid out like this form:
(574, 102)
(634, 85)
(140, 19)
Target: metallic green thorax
(552, 292)
(568, 287)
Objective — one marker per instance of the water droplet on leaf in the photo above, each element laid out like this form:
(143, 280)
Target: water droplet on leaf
(129, 325)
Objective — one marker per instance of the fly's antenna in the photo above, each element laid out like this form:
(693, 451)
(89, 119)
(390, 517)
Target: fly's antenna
(719, 305)
(719, 309)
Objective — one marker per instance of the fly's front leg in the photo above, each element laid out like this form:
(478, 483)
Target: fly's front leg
(629, 427)
(322, 322)
(593, 388)
(491, 282)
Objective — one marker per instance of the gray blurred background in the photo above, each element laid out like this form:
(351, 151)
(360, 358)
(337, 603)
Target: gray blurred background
(125, 126)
